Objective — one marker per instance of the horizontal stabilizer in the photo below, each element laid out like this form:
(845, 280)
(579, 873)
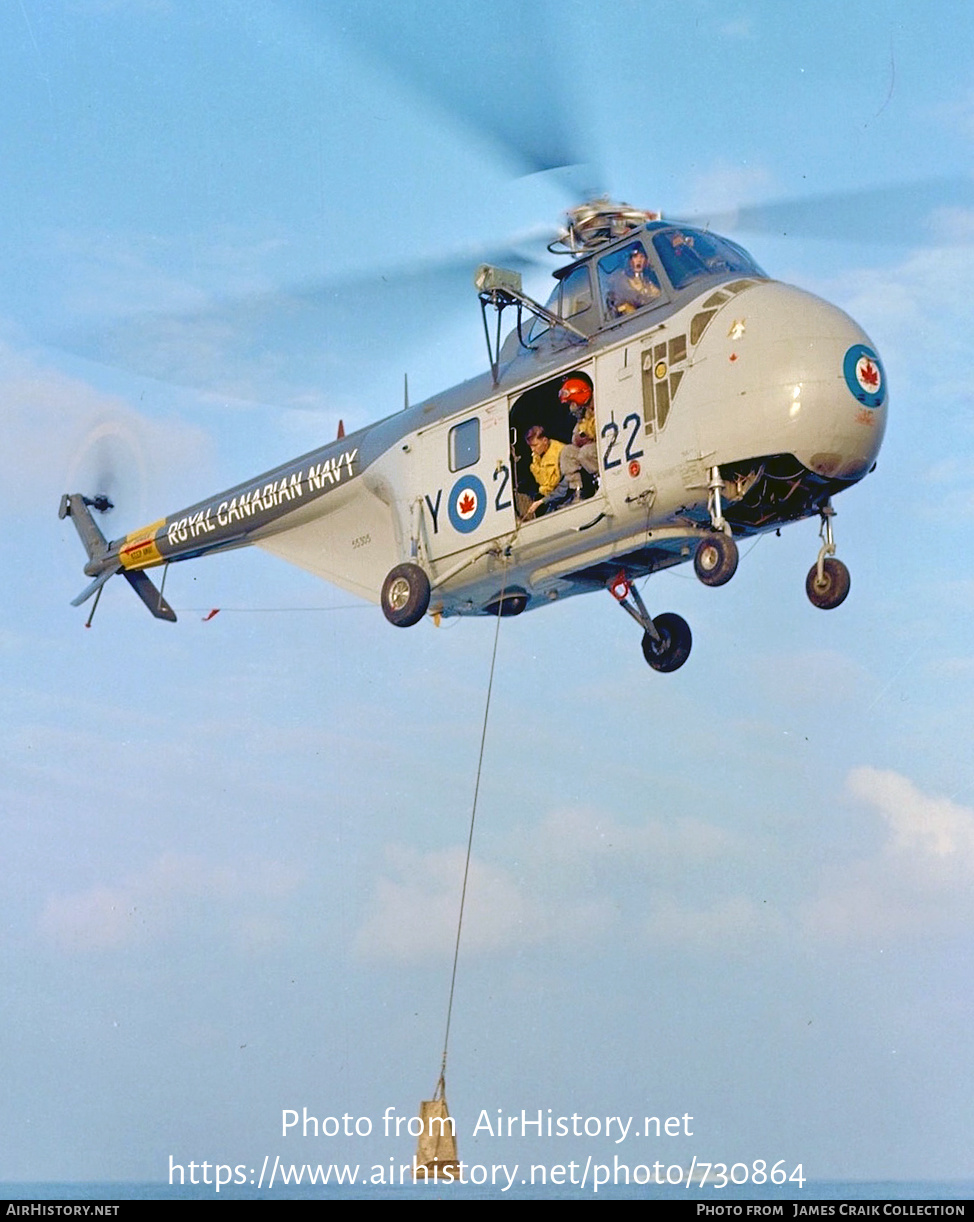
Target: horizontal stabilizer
(95, 586)
(152, 597)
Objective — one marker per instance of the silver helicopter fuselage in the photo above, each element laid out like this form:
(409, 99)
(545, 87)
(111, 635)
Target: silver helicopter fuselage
(730, 401)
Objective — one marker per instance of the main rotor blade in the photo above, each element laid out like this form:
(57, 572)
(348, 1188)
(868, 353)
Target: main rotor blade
(296, 346)
(521, 92)
(902, 214)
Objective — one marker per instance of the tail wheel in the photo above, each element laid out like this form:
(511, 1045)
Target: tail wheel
(405, 595)
(673, 647)
(715, 560)
(832, 589)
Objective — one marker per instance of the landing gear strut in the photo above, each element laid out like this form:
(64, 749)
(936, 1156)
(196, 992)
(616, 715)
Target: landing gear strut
(715, 560)
(828, 580)
(666, 639)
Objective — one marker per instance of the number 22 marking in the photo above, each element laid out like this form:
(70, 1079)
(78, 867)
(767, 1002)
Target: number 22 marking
(501, 470)
(611, 430)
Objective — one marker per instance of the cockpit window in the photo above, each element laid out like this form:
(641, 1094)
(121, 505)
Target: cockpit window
(569, 299)
(576, 293)
(627, 281)
(539, 325)
(687, 254)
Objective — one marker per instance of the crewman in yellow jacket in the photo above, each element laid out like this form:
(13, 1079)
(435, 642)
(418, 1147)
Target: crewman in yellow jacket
(545, 465)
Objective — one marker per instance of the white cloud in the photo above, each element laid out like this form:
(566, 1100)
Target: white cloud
(414, 914)
(933, 837)
(164, 899)
(919, 879)
(574, 878)
(56, 429)
(579, 877)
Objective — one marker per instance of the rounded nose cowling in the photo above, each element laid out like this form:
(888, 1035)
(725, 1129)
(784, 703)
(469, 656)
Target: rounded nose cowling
(803, 376)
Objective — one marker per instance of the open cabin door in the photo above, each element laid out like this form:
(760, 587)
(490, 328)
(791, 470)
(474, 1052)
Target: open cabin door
(462, 494)
(546, 410)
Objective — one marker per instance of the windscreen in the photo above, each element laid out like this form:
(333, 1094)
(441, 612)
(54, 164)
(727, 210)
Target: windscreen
(690, 254)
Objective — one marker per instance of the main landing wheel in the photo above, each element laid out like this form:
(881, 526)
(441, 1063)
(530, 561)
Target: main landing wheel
(405, 595)
(673, 647)
(715, 560)
(834, 586)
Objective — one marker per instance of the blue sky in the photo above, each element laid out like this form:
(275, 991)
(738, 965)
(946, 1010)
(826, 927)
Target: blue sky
(233, 849)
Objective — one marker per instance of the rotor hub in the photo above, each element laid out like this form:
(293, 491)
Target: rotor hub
(592, 224)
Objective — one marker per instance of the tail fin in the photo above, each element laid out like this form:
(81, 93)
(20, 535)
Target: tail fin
(104, 563)
(75, 507)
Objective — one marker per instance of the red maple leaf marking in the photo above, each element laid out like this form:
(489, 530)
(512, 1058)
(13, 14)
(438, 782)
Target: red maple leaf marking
(869, 374)
(467, 503)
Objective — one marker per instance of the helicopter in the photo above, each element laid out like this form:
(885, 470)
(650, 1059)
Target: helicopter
(691, 402)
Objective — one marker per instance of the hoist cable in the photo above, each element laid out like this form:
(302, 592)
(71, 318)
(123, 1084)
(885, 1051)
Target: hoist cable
(441, 1084)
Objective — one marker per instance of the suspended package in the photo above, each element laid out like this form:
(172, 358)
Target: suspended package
(437, 1147)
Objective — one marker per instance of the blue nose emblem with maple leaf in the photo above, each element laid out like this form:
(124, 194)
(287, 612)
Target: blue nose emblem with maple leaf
(467, 504)
(864, 375)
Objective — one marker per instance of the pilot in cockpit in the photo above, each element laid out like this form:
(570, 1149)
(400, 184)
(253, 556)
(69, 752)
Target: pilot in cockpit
(633, 286)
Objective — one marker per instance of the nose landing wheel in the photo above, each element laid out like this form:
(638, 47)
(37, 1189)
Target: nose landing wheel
(829, 588)
(828, 581)
(666, 639)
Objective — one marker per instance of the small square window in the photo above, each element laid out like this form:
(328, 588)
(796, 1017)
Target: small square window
(465, 444)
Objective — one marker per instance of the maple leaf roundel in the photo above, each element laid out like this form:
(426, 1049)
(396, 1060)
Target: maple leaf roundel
(864, 375)
(467, 504)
